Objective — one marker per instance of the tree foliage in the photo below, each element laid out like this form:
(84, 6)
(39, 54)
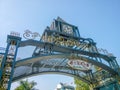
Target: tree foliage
(80, 85)
(25, 85)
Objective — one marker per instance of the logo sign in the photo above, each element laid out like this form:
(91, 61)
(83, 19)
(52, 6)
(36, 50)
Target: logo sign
(31, 35)
(78, 64)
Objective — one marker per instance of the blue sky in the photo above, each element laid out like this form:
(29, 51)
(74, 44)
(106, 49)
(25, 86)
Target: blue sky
(96, 19)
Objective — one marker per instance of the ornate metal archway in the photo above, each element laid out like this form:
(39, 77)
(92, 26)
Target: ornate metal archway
(61, 50)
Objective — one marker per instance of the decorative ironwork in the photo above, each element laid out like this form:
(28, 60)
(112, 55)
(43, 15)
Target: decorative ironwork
(8, 62)
(12, 50)
(58, 52)
(13, 33)
(31, 35)
(104, 51)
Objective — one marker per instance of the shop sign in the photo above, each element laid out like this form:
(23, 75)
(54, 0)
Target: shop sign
(79, 64)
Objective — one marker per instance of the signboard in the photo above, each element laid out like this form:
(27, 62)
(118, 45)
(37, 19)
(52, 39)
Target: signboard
(12, 33)
(79, 64)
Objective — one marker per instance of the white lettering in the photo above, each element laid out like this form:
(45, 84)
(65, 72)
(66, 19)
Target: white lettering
(15, 34)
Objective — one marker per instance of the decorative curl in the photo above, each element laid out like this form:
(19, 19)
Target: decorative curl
(29, 35)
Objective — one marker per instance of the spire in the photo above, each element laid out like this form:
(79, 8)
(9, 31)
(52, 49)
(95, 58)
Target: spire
(60, 19)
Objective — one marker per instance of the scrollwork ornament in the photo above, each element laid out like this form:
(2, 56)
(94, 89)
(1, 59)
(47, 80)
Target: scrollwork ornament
(104, 51)
(29, 35)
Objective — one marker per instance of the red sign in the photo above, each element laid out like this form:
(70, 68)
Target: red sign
(78, 64)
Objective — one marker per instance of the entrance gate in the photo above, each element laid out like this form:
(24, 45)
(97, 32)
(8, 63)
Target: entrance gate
(60, 50)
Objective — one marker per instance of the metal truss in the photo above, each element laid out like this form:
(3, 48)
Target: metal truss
(52, 56)
(57, 63)
(59, 44)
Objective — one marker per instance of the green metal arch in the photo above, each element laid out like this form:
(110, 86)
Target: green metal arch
(38, 58)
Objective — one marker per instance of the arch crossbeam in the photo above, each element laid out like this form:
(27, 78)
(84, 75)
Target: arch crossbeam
(56, 63)
(48, 70)
(62, 49)
(38, 58)
(68, 50)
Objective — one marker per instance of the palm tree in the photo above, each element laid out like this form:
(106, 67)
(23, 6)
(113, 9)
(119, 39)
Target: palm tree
(25, 85)
(80, 85)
